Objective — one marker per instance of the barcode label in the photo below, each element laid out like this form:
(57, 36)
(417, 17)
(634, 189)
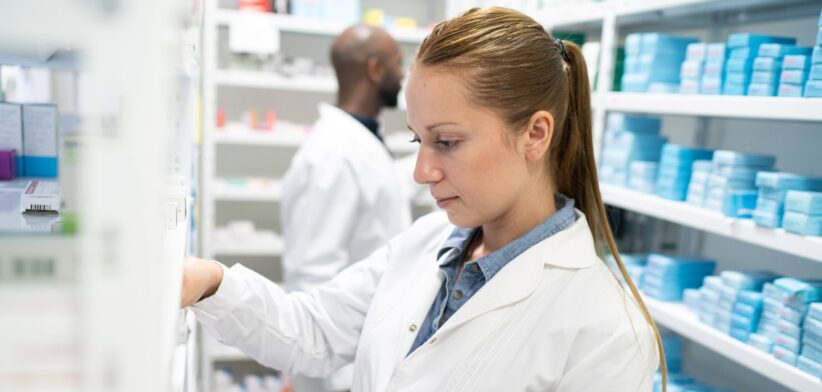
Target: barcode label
(40, 207)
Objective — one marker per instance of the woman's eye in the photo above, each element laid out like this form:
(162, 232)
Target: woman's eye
(414, 140)
(447, 144)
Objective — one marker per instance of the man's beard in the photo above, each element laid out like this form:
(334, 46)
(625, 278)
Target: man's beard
(389, 94)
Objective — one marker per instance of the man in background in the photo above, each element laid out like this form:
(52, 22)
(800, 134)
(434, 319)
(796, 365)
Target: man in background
(342, 198)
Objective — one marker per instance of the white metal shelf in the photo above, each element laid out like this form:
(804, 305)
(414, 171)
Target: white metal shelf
(677, 317)
(270, 80)
(294, 24)
(253, 248)
(274, 138)
(713, 222)
(588, 13)
(226, 192)
(770, 108)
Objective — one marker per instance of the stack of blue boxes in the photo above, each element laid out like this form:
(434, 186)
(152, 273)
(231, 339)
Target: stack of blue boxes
(731, 302)
(666, 277)
(698, 186)
(795, 70)
(767, 68)
(739, 67)
(732, 182)
(803, 213)
(714, 69)
(629, 138)
(652, 62)
(740, 302)
(773, 188)
(675, 168)
(811, 359)
(797, 295)
(690, 73)
(634, 265)
(642, 175)
(813, 88)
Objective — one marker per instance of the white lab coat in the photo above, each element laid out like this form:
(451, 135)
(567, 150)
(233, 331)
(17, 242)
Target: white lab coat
(341, 201)
(553, 319)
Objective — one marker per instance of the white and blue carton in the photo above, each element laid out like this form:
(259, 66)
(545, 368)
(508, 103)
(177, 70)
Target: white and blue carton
(666, 277)
(675, 170)
(773, 189)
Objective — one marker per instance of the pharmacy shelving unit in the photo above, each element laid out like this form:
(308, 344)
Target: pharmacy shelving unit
(97, 308)
(214, 191)
(610, 17)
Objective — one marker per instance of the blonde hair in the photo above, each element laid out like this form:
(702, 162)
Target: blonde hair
(514, 67)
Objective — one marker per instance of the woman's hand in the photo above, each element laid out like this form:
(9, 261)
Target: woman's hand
(201, 279)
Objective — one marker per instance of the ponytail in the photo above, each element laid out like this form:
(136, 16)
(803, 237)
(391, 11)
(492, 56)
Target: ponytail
(576, 174)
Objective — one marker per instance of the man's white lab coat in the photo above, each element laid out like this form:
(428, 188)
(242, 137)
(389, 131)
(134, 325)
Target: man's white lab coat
(341, 201)
(553, 319)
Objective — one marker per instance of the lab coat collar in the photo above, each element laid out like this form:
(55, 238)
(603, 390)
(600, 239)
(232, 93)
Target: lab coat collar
(572, 248)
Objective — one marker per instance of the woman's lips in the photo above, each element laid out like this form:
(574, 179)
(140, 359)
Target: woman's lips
(445, 201)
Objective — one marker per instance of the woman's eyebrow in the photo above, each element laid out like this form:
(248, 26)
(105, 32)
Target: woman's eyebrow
(430, 127)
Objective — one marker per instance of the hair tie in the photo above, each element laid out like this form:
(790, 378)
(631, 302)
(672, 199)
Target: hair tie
(562, 49)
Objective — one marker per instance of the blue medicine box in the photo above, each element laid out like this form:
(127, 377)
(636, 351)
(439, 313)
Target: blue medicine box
(767, 64)
(633, 123)
(711, 85)
(816, 72)
(742, 53)
(717, 51)
(754, 40)
(739, 65)
(633, 43)
(797, 61)
(664, 43)
(802, 224)
(734, 89)
(783, 180)
(804, 202)
(813, 89)
(691, 69)
(739, 78)
(762, 90)
(793, 76)
(660, 64)
(765, 77)
(689, 86)
(632, 63)
(696, 51)
(713, 67)
(735, 158)
(816, 57)
(782, 50)
(790, 90)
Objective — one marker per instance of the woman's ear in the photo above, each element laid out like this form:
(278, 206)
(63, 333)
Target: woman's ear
(540, 130)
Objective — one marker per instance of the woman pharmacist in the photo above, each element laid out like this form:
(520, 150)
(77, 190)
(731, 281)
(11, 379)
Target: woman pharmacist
(506, 290)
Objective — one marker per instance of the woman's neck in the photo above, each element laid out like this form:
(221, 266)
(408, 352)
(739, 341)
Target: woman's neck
(520, 219)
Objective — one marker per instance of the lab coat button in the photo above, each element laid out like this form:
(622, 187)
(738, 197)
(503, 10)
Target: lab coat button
(412, 327)
(475, 267)
(457, 294)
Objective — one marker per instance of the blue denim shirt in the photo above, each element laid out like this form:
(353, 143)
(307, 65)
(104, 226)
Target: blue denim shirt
(453, 294)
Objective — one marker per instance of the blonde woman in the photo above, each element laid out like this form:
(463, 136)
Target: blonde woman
(506, 289)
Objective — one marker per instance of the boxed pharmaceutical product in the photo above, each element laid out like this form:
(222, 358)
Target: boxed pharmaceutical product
(11, 132)
(793, 76)
(781, 50)
(755, 40)
(762, 89)
(40, 196)
(813, 89)
(804, 202)
(790, 90)
(40, 125)
(798, 61)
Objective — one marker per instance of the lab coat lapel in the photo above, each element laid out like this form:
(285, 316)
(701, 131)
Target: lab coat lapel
(417, 304)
